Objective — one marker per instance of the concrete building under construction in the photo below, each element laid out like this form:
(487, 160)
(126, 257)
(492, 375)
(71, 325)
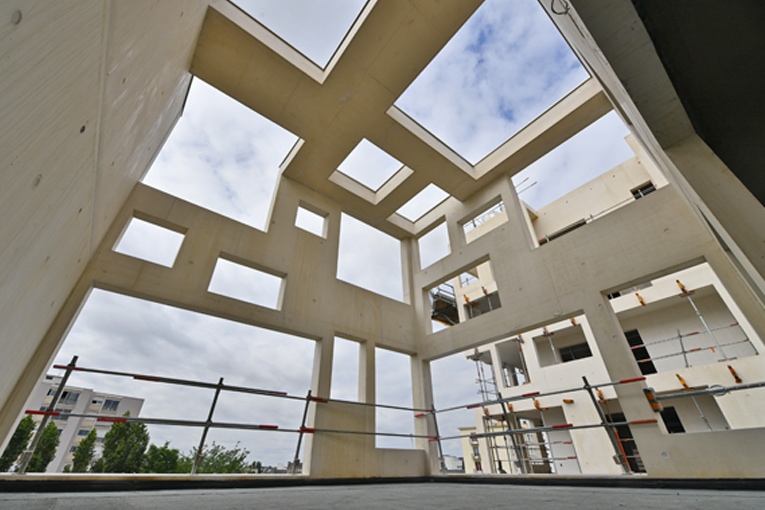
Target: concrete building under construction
(684, 330)
(92, 89)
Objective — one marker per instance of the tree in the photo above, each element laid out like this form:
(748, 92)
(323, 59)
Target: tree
(217, 459)
(124, 447)
(46, 449)
(97, 466)
(18, 442)
(161, 459)
(84, 452)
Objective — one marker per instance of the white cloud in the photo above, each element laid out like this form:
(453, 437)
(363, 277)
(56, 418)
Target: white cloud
(588, 154)
(505, 66)
(222, 156)
(150, 242)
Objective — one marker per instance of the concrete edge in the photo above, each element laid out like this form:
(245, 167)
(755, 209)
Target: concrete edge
(94, 483)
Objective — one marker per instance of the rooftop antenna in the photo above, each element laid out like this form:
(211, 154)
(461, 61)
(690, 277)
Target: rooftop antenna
(527, 187)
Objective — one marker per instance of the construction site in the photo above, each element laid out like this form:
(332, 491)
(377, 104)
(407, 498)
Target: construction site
(616, 332)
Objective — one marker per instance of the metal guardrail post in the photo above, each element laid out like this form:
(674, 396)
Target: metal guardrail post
(689, 295)
(27, 455)
(516, 448)
(619, 457)
(198, 456)
(300, 434)
(441, 462)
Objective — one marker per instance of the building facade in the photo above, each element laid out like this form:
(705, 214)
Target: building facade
(685, 332)
(72, 430)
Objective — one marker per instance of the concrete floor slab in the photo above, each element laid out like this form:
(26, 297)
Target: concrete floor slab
(400, 496)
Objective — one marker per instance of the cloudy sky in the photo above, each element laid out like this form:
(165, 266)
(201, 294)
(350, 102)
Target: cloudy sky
(505, 67)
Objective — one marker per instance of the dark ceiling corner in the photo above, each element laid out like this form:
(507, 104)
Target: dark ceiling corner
(714, 53)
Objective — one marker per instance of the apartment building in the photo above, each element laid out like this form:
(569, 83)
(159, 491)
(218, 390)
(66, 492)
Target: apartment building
(78, 401)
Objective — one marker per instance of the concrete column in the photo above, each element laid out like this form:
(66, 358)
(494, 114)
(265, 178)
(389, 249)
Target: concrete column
(321, 382)
(367, 373)
(620, 364)
(410, 262)
(739, 214)
(456, 234)
(422, 398)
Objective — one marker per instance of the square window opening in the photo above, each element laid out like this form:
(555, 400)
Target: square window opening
(369, 165)
(469, 294)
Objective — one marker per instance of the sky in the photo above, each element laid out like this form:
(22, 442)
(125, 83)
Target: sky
(225, 157)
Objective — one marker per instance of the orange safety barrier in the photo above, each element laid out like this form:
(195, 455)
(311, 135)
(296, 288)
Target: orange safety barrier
(682, 381)
(735, 375)
(644, 422)
(650, 394)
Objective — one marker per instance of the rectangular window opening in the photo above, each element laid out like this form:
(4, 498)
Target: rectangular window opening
(672, 421)
(454, 385)
(311, 220)
(642, 190)
(246, 283)
(466, 296)
(150, 242)
(423, 202)
(393, 386)
(698, 413)
(110, 405)
(562, 342)
(222, 156)
(370, 259)
(345, 370)
(513, 362)
(434, 245)
(608, 176)
(485, 221)
(682, 320)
